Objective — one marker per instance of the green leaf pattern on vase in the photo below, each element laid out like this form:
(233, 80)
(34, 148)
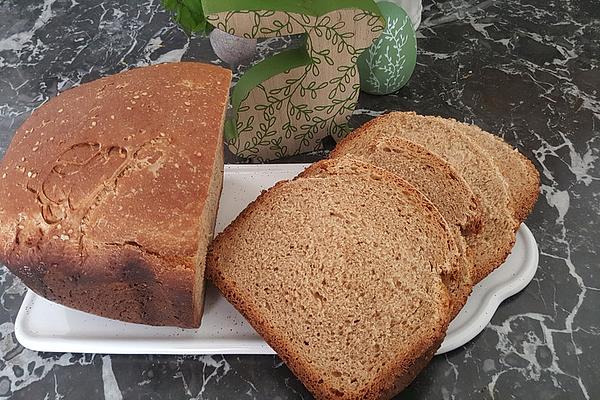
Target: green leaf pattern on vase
(286, 104)
(388, 64)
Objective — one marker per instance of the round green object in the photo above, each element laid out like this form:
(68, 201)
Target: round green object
(387, 65)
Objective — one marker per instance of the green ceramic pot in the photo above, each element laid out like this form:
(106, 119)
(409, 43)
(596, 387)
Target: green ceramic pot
(388, 64)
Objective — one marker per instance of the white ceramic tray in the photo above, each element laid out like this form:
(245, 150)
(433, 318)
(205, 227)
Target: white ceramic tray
(45, 326)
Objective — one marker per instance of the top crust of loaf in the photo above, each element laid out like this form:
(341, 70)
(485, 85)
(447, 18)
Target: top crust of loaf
(117, 166)
(279, 219)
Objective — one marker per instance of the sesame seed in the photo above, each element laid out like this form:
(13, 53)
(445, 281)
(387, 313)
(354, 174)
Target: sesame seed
(144, 93)
(133, 102)
(93, 123)
(4, 175)
(187, 103)
(129, 108)
(64, 237)
(61, 110)
(54, 237)
(162, 134)
(35, 148)
(112, 117)
(136, 97)
(29, 173)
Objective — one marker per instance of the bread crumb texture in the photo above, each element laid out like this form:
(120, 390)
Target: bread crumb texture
(434, 178)
(341, 271)
(446, 139)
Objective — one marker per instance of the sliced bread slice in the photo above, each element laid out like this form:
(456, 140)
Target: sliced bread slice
(521, 175)
(495, 240)
(429, 173)
(451, 273)
(437, 180)
(339, 273)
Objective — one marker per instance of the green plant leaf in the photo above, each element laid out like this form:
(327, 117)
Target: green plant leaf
(189, 15)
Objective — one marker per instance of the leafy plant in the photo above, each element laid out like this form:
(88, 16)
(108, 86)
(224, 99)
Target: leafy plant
(189, 15)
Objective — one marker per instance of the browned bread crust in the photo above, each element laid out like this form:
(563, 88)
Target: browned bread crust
(110, 193)
(255, 264)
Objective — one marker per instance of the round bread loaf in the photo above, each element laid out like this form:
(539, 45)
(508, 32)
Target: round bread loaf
(110, 193)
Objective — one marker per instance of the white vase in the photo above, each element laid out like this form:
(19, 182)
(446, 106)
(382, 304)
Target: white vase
(413, 8)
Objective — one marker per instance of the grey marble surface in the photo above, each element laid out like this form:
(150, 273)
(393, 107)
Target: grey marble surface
(526, 70)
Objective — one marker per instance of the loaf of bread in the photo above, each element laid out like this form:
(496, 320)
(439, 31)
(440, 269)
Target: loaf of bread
(493, 243)
(433, 177)
(110, 193)
(341, 272)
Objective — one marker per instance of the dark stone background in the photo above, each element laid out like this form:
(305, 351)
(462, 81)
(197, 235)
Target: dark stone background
(526, 70)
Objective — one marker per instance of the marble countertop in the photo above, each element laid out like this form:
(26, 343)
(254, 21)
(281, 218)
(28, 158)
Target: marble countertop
(526, 70)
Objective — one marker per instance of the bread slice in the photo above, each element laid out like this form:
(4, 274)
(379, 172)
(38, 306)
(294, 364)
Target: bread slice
(522, 177)
(495, 240)
(339, 273)
(110, 193)
(426, 171)
(451, 273)
(437, 180)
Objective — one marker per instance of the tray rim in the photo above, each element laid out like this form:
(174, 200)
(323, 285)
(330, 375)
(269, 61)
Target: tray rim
(496, 295)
